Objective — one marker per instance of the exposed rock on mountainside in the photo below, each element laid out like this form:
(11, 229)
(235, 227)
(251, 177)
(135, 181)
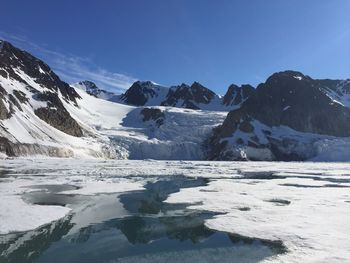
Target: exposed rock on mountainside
(56, 114)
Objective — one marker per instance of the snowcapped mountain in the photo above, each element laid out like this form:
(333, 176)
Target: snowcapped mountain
(290, 117)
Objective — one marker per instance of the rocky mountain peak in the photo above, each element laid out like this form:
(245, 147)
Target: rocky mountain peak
(146, 83)
(235, 95)
(287, 75)
(139, 93)
(89, 84)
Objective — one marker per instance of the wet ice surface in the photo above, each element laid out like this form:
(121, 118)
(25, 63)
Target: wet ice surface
(158, 211)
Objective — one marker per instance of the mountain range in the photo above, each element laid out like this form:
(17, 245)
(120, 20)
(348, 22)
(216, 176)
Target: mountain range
(289, 117)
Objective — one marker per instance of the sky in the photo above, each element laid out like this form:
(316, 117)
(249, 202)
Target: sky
(170, 42)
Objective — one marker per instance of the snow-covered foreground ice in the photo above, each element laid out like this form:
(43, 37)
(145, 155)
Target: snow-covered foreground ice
(287, 212)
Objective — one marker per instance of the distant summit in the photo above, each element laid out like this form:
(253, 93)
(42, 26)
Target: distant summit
(91, 88)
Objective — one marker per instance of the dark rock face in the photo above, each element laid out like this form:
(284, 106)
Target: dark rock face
(289, 98)
(56, 115)
(236, 95)
(139, 93)
(153, 114)
(188, 96)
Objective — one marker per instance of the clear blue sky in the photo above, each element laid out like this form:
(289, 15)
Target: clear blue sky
(214, 42)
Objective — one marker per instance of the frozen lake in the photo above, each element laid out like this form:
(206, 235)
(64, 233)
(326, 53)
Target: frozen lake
(61, 210)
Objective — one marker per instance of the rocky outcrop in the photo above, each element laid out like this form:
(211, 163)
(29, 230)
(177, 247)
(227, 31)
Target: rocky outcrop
(188, 96)
(56, 114)
(152, 114)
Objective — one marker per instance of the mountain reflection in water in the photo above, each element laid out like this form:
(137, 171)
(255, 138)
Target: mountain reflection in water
(151, 231)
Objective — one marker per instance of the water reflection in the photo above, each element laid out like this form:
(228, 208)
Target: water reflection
(150, 227)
